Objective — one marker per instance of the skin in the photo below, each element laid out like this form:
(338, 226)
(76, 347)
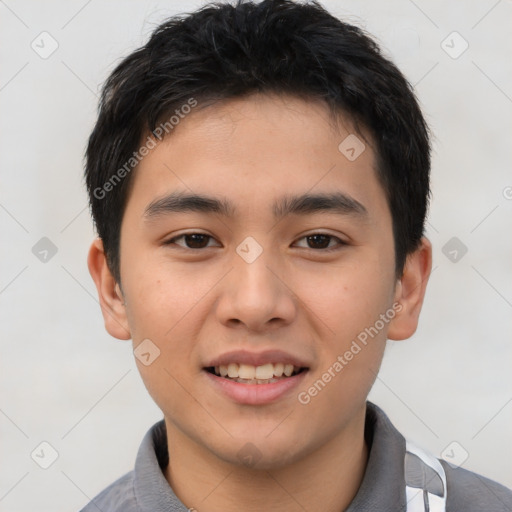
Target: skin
(195, 304)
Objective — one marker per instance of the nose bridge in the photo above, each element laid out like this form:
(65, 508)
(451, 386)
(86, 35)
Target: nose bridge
(255, 280)
(254, 294)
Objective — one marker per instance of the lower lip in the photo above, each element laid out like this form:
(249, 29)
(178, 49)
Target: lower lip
(255, 394)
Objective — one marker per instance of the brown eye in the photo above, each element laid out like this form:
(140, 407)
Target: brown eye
(192, 241)
(318, 241)
(196, 241)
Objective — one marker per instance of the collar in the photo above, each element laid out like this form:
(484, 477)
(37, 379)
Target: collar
(382, 488)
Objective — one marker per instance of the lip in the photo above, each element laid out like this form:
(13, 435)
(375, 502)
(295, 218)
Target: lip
(255, 394)
(256, 359)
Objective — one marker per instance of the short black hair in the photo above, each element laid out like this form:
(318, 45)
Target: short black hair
(225, 51)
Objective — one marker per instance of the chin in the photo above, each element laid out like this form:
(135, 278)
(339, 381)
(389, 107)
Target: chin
(258, 453)
(257, 460)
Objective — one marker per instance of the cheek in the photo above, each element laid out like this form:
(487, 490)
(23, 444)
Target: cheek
(348, 298)
(152, 307)
(162, 298)
(169, 306)
(165, 306)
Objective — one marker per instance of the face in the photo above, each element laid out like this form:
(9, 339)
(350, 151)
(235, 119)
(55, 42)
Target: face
(252, 245)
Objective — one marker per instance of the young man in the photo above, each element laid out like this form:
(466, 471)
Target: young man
(259, 179)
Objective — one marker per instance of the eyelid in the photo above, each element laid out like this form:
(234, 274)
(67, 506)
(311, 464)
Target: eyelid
(340, 241)
(181, 235)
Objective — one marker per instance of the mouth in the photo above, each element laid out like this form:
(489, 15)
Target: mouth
(268, 373)
(255, 378)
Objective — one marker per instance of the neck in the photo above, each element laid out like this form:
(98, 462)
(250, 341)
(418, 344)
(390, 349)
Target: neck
(326, 479)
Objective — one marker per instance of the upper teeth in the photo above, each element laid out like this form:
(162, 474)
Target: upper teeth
(248, 371)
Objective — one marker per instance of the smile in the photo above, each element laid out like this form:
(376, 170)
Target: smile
(249, 374)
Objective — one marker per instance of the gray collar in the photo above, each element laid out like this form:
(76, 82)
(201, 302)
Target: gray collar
(382, 488)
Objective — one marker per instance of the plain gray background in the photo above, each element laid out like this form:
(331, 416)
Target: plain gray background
(67, 383)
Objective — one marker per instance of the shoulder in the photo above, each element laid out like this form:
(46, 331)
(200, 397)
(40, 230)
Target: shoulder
(117, 497)
(471, 492)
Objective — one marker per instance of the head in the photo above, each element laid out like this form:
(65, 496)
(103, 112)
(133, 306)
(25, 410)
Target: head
(259, 179)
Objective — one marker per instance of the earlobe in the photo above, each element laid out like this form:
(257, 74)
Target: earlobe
(410, 291)
(109, 292)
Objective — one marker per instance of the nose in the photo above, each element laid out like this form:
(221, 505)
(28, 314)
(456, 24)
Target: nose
(255, 296)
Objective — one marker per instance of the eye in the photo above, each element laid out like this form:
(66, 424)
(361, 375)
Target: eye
(192, 241)
(315, 241)
(323, 241)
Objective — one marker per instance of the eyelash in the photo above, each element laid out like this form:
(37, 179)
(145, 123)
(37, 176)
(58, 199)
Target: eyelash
(339, 245)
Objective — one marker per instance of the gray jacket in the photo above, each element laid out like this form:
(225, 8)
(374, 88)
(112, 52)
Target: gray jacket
(398, 478)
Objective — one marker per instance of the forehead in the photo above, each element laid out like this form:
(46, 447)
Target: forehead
(258, 148)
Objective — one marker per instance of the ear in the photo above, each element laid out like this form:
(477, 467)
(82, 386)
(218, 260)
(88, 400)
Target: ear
(410, 291)
(109, 293)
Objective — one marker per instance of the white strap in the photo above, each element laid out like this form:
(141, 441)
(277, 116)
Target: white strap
(421, 499)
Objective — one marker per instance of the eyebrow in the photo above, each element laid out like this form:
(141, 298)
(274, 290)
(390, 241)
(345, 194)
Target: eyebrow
(304, 204)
